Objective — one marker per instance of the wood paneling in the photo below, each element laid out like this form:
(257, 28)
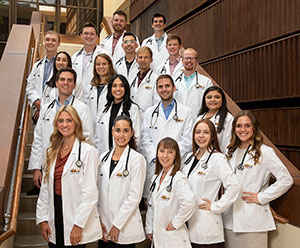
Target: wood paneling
(267, 72)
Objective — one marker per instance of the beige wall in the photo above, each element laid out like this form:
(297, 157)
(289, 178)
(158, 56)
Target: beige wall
(9, 243)
(111, 5)
(286, 236)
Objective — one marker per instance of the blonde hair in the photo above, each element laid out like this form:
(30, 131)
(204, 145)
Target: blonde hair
(144, 49)
(56, 138)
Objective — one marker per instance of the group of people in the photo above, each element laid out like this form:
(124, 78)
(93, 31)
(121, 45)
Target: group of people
(121, 125)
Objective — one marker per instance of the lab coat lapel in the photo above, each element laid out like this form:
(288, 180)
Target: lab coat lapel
(122, 162)
(164, 183)
(73, 157)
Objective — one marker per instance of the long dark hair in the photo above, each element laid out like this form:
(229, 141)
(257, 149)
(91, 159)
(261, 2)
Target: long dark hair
(256, 139)
(222, 111)
(213, 143)
(168, 143)
(131, 143)
(51, 82)
(127, 102)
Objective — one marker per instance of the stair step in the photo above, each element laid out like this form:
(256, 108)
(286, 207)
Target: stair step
(27, 182)
(27, 203)
(30, 241)
(27, 225)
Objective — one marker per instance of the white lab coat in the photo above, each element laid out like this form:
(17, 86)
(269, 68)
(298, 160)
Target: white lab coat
(119, 196)
(145, 95)
(121, 68)
(44, 129)
(164, 68)
(102, 127)
(206, 227)
(106, 44)
(88, 75)
(79, 196)
(176, 206)
(34, 88)
(192, 98)
(245, 217)
(158, 55)
(156, 128)
(91, 101)
(225, 135)
(51, 93)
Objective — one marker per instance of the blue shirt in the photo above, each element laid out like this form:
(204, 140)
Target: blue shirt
(67, 102)
(189, 80)
(47, 70)
(159, 41)
(168, 109)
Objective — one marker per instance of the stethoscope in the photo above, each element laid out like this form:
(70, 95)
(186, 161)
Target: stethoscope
(149, 41)
(79, 163)
(81, 51)
(179, 78)
(50, 107)
(204, 165)
(156, 112)
(147, 79)
(241, 165)
(125, 172)
(168, 188)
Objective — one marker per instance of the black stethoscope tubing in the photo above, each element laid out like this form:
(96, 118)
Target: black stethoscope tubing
(241, 165)
(80, 52)
(79, 163)
(203, 165)
(197, 80)
(147, 79)
(168, 188)
(156, 111)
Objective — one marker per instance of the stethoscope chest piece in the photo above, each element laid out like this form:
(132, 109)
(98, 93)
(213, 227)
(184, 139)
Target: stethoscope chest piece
(240, 166)
(125, 173)
(204, 165)
(78, 163)
(169, 188)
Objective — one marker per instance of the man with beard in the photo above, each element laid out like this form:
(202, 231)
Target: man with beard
(168, 118)
(113, 43)
(190, 84)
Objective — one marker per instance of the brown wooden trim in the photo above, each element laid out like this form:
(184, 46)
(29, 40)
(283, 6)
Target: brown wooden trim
(106, 23)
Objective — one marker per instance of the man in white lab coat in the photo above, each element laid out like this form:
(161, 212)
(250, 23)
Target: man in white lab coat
(83, 60)
(167, 119)
(113, 43)
(65, 83)
(42, 72)
(157, 42)
(190, 85)
(173, 65)
(143, 87)
(127, 65)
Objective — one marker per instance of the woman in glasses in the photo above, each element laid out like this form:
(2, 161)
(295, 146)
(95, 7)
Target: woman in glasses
(248, 221)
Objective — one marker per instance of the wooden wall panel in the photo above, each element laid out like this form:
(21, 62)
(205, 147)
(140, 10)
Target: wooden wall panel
(286, 120)
(230, 25)
(266, 72)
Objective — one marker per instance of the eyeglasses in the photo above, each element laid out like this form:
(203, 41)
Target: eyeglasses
(129, 41)
(189, 58)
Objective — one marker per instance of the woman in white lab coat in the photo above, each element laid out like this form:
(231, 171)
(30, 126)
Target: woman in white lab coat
(62, 60)
(96, 96)
(121, 178)
(249, 219)
(67, 204)
(207, 169)
(118, 102)
(171, 201)
(214, 108)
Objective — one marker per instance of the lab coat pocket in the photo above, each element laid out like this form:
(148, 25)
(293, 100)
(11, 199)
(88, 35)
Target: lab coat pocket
(176, 238)
(212, 223)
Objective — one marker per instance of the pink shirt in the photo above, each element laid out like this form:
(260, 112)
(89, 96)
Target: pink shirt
(174, 64)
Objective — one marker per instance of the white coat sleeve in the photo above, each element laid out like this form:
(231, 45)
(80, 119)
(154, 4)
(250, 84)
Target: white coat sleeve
(149, 217)
(185, 144)
(87, 124)
(187, 203)
(31, 91)
(226, 136)
(42, 206)
(283, 178)
(88, 189)
(137, 180)
(221, 169)
(147, 146)
(136, 122)
(79, 92)
(36, 155)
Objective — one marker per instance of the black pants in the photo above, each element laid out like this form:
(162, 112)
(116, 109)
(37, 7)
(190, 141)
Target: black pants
(59, 225)
(102, 244)
(216, 245)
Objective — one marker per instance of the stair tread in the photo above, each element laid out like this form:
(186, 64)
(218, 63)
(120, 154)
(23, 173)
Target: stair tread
(24, 195)
(26, 216)
(27, 175)
(30, 241)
